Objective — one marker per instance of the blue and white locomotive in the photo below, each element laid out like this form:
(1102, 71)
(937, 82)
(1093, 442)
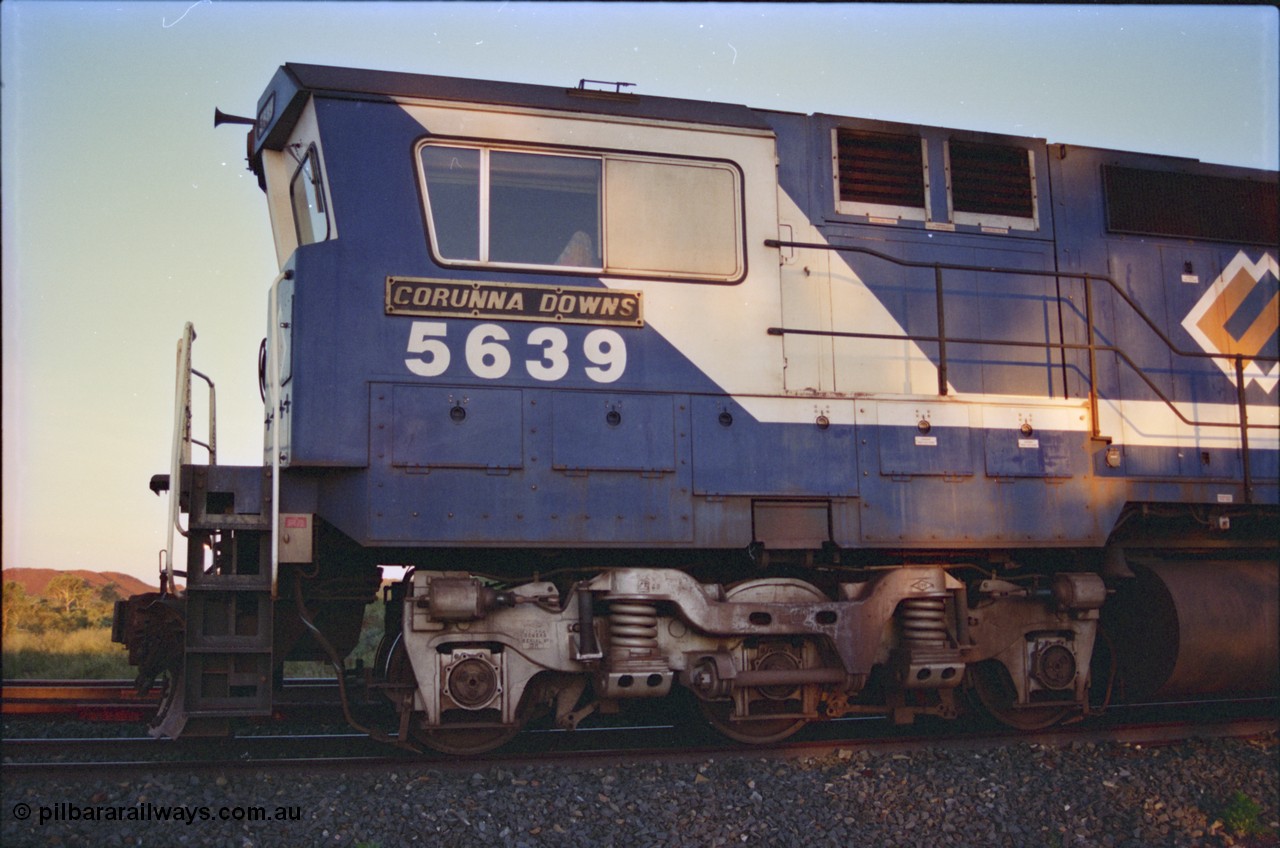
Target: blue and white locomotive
(806, 414)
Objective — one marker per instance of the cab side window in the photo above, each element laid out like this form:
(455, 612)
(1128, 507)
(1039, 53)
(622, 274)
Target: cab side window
(613, 214)
(544, 210)
(673, 218)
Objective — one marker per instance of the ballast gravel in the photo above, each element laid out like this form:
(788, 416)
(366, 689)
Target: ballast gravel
(1083, 794)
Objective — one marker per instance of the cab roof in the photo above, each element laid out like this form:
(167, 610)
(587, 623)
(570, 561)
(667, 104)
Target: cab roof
(293, 83)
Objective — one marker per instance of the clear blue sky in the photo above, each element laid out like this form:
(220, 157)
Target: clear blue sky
(125, 213)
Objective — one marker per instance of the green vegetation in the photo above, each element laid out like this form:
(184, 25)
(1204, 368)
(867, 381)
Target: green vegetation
(1240, 815)
(68, 603)
(86, 653)
(64, 633)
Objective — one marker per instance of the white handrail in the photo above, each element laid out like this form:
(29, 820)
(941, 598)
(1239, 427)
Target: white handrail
(180, 450)
(276, 421)
(212, 445)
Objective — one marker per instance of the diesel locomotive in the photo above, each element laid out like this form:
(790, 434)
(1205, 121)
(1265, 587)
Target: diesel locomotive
(802, 415)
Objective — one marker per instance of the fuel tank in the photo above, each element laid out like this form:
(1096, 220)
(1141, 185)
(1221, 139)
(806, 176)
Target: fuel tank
(1188, 628)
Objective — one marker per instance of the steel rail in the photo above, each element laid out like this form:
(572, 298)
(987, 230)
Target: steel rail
(1159, 725)
(119, 700)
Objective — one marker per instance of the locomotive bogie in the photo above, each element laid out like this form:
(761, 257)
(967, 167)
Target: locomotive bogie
(1046, 653)
(768, 653)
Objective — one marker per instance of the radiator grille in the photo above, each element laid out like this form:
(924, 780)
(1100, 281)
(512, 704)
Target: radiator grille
(880, 168)
(1166, 203)
(991, 179)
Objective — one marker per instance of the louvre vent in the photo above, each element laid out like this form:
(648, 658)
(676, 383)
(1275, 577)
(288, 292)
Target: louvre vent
(1165, 203)
(879, 168)
(991, 179)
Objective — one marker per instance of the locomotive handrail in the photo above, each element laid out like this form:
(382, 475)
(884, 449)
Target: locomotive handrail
(1091, 346)
(992, 269)
(779, 331)
(275, 419)
(180, 452)
(212, 445)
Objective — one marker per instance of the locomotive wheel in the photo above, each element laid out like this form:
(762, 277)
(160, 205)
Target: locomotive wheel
(457, 738)
(720, 713)
(462, 739)
(995, 691)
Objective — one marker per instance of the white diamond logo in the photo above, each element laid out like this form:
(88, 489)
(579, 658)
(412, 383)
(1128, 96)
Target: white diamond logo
(1236, 317)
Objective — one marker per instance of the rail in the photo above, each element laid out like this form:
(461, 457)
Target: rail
(1091, 346)
(120, 700)
(75, 697)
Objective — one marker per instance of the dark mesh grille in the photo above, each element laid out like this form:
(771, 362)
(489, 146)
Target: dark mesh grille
(1164, 203)
(990, 179)
(880, 168)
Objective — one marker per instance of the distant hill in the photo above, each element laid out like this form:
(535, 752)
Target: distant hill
(35, 580)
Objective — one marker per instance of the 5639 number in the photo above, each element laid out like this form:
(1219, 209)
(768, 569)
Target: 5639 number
(488, 355)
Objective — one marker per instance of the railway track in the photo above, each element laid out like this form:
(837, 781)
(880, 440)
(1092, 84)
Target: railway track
(119, 700)
(657, 740)
(105, 700)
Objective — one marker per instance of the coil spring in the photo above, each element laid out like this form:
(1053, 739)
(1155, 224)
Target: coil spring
(923, 622)
(633, 629)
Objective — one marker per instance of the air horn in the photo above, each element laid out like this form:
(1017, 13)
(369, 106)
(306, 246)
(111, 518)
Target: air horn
(220, 117)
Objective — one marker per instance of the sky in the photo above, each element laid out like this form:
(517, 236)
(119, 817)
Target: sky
(126, 214)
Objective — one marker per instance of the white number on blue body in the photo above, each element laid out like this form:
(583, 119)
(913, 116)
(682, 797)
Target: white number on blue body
(554, 363)
(607, 352)
(425, 338)
(486, 357)
(489, 358)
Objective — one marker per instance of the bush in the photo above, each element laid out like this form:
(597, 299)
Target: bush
(68, 603)
(66, 639)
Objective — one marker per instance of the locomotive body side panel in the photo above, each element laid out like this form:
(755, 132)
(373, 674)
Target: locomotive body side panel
(1176, 272)
(564, 433)
(954, 467)
(799, 347)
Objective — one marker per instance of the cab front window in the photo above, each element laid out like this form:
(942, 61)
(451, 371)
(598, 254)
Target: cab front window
(306, 191)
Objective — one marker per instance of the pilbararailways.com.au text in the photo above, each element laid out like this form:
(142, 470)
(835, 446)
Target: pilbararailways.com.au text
(148, 812)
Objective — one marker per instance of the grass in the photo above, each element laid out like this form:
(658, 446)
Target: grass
(65, 655)
(90, 654)
(1240, 815)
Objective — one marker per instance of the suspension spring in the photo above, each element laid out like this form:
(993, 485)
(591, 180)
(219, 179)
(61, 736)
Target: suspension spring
(923, 622)
(633, 630)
